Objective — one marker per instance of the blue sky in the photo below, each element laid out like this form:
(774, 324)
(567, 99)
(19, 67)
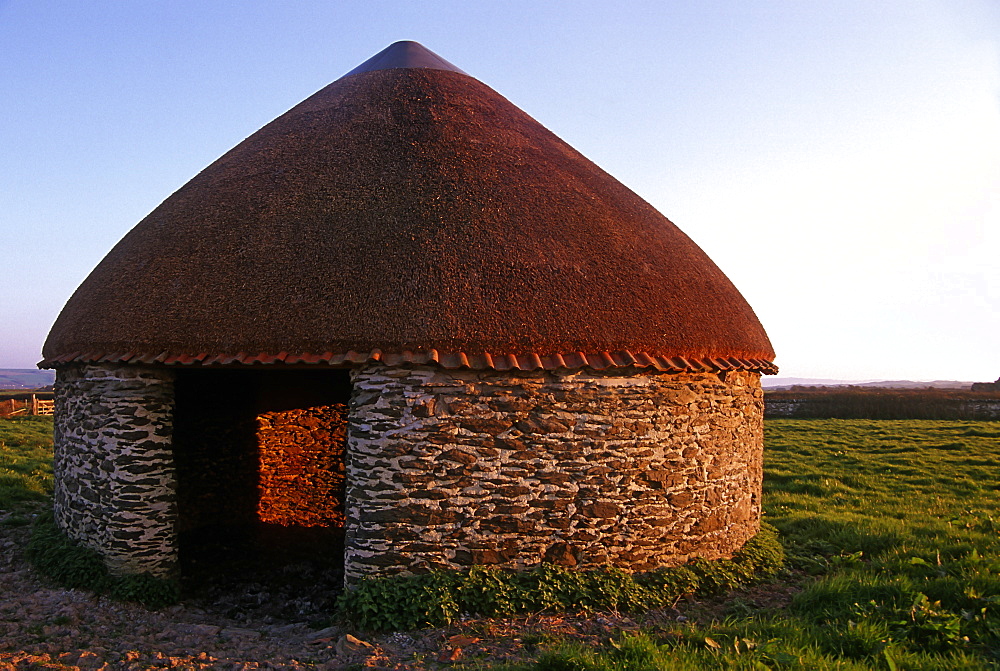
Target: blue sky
(840, 161)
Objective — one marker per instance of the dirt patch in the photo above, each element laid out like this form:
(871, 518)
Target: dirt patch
(261, 621)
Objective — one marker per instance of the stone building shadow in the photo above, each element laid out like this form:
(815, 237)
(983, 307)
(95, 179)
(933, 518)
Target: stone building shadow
(259, 457)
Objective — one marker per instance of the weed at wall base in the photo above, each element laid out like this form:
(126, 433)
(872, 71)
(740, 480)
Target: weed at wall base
(394, 603)
(58, 558)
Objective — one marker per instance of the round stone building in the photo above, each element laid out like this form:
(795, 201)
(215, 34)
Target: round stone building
(406, 316)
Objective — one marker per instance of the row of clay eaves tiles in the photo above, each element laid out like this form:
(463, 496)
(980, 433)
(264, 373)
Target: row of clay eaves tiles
(450, 360)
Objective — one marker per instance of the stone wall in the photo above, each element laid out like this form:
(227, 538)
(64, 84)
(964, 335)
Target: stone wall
(876, 403)
(302, 466)
(637, 470)
(114, 476)
(217, 471)
(986, 386)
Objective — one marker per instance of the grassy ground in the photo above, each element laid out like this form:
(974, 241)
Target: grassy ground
(25, 463)
(892, 529)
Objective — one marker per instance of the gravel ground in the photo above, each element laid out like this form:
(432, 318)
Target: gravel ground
(236, 626)
(263, 622)
(248, 621)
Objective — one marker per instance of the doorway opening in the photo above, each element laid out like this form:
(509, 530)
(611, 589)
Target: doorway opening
(260, 463)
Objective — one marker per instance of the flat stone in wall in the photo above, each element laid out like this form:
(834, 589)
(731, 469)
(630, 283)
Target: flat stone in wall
(114, 476)
(638, 470)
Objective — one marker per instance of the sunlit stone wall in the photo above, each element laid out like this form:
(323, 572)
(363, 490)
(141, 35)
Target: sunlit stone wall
(637, 470)
(302, 466)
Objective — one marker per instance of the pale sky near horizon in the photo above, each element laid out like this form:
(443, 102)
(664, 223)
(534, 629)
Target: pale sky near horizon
(840, 161)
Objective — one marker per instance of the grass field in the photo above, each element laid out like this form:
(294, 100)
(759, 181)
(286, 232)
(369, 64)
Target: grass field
(25, 463)
(892, 531)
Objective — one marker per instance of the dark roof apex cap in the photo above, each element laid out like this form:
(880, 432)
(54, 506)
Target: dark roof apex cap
(404, 54)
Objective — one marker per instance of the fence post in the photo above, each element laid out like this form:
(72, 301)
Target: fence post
(34, 404)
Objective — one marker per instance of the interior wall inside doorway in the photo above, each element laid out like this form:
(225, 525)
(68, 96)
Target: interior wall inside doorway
(255, 448)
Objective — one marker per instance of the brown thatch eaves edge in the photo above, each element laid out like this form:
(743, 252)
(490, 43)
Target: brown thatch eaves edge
(447, 360)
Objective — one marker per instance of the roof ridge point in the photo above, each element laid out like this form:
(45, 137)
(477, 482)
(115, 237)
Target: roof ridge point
(405, 54)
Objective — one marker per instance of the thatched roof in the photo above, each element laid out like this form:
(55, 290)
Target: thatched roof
(408, 212)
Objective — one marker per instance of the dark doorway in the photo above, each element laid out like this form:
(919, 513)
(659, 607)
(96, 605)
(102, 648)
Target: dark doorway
(259, 456)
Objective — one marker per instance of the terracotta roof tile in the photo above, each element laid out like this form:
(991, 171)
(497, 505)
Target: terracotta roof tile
(450, 360)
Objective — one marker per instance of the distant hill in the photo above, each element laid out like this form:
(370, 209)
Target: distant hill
(910, 384)
(769, 382)
(780, 383)
(25, 378)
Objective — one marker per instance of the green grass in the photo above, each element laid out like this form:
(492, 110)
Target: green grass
(71, 565)
(26, 478)
(25, 461)
(894, 527)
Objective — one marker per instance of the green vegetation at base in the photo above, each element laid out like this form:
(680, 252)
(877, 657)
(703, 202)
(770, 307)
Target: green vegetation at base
(71, 565)
(25, 462)
(26, 480)
(892, 527)
(437, 598)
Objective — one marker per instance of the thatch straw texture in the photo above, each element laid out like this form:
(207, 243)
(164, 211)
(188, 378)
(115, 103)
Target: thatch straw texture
(406, 209)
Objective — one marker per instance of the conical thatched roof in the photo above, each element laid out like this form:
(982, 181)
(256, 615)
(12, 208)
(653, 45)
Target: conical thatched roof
(408, 212)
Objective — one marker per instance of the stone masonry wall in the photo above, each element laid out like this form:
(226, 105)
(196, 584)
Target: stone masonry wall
(302, 466)
(114, 475)
(637, 470)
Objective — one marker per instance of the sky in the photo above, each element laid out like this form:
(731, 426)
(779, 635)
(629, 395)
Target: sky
(839, 160)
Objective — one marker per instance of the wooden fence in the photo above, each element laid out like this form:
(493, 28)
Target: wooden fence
(35, 406)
